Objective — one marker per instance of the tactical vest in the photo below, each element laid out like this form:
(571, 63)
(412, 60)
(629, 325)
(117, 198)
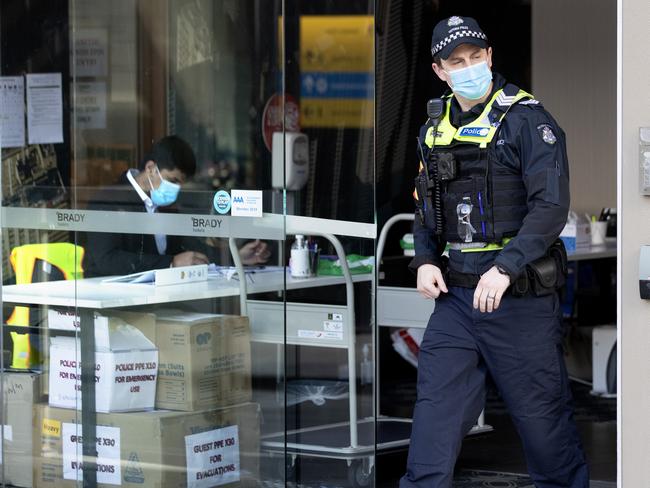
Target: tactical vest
(484, 199)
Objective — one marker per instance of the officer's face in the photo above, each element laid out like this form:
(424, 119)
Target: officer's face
(463, 56)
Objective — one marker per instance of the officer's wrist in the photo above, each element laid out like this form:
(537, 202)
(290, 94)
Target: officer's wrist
(419, 260)
(503, 271)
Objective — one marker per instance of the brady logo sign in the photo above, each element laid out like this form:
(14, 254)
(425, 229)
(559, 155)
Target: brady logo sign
(200, 225)
(69, 217)
(474, 132)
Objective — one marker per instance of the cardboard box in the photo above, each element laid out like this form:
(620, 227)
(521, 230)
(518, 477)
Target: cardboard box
(126, 369)
(151, 449)
(205, 360)
(21, 393)
(66, 319)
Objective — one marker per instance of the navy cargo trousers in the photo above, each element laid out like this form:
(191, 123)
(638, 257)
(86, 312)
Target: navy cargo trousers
(519, 344)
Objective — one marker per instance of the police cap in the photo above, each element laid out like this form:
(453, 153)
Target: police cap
(454, 31)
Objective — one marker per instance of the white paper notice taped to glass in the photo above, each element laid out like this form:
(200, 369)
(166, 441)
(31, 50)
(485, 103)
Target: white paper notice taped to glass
(108, 454)
(12, 115)
(44, 108)
(246, 203)
(213, 457)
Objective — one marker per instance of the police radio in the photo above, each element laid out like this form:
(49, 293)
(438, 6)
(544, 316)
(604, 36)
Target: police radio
(435, 107)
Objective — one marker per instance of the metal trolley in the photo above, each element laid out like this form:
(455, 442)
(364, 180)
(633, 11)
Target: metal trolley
(356, 440)
(353, 440)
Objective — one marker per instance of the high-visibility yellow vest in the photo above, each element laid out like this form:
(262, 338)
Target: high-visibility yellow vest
(64, 256)
(481, 130)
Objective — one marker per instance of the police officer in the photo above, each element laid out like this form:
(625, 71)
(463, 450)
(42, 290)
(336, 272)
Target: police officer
(494, 186)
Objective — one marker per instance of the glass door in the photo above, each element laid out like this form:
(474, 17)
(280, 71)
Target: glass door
(328, 81)
(188, 235)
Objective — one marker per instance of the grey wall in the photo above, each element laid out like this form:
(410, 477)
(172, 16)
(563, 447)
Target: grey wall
(574, 75)
(635, 231)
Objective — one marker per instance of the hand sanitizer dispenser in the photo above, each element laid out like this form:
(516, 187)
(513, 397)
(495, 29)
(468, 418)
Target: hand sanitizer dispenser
(290, 157)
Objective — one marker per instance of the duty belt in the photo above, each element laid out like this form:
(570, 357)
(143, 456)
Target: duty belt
(519, 288)
(463, 280)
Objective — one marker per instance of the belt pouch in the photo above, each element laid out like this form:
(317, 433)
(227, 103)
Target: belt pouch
(543, 276)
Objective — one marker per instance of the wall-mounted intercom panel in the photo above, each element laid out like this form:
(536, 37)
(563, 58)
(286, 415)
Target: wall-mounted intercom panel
(644, 272)
(644, 160)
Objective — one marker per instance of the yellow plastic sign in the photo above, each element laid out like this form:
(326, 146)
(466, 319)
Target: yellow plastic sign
(337, 43)
(334, 113)
(51, 428)
(337, 71)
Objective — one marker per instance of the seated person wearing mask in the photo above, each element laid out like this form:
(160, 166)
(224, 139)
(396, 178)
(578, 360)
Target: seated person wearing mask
(154, 187)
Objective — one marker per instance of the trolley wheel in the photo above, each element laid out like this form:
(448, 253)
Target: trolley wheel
(360, 474)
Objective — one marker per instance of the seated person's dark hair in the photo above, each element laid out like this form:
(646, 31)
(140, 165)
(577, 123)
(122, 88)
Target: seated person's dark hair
(171, 152)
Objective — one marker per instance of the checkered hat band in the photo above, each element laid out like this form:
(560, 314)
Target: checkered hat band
(456, 35)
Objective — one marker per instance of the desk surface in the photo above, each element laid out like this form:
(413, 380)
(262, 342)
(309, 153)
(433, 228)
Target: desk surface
(607, 250)
(91, 293)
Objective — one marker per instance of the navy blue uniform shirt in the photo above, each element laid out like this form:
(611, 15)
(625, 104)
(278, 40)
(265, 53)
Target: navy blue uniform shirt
(523, 143)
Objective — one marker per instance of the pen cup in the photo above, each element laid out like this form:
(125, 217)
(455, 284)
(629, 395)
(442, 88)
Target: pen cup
(313, 261)
(598, 233)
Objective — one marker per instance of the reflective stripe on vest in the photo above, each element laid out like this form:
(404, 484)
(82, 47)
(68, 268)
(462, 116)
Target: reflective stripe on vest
(480, 131)
(495, 246)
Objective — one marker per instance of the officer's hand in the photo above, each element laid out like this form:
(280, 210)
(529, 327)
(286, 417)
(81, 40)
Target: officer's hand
(188, 258)
(490, 289)
(430, 282)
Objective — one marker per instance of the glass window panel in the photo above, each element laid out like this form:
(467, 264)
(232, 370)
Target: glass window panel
(89, 196)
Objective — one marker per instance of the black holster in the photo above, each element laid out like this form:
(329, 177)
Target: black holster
(545, 275)
(424, 202)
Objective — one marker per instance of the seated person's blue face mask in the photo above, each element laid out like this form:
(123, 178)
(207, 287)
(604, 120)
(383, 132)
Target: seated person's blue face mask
(166, 193)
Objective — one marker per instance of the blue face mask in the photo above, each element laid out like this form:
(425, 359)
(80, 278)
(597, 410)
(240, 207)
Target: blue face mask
(166, 193)
(472, 82)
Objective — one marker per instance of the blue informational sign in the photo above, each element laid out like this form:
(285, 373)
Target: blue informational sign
(337, 85)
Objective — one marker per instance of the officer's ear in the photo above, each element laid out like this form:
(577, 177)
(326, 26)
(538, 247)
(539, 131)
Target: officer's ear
(489, 57)
(439, 71)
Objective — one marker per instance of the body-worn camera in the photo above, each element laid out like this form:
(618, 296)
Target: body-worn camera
(447, 168)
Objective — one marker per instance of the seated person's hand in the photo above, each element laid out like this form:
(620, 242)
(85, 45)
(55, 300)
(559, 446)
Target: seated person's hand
(254, 252)
(189, 258)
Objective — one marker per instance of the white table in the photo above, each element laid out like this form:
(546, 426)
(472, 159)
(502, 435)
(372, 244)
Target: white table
(92, 293)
